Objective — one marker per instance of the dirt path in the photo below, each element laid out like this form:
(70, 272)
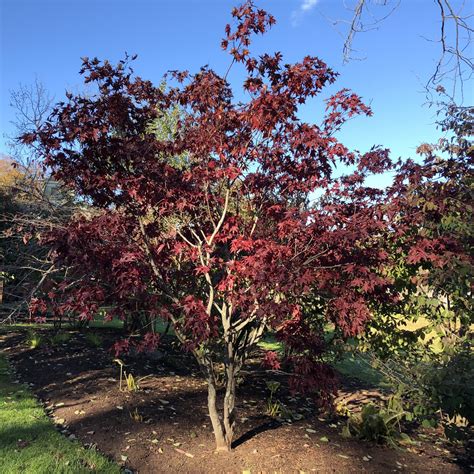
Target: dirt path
(164, 426)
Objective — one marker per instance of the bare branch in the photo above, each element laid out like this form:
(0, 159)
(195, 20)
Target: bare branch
(455, 64)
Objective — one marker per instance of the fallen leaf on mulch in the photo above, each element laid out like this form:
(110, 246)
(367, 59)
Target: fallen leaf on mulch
(189, 455)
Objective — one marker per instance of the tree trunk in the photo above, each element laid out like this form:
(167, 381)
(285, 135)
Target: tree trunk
(236, 353)
(221, 439)
(223, 426)
(229, 403)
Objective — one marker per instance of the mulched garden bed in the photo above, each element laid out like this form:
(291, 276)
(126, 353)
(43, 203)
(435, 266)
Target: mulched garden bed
(164, 426)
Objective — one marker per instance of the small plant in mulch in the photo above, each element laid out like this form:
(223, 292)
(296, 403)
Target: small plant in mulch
(136, 416)
(273, 407)
(34, 340)
(94, 340)
(59, 338)
(131, 383)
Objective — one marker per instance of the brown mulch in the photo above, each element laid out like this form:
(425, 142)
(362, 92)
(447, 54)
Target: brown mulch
(164, 427)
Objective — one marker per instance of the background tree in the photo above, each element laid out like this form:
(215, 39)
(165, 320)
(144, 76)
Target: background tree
(31, 204)
(425, 344)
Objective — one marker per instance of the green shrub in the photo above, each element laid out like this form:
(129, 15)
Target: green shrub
(437, 387)
(378, 423)
(447, 386)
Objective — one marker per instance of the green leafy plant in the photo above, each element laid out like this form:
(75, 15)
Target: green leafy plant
(93, 339)
(436, 387)
(34, 340)
(273, 407)
(59, 338)
(376, 423)
(130, 382)
(443, 393)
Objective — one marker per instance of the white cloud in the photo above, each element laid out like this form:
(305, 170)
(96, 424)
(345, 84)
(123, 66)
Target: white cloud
(308, 5)
(305, 7)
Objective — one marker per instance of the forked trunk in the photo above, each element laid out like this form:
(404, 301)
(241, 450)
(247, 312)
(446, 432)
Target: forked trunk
(223, 426)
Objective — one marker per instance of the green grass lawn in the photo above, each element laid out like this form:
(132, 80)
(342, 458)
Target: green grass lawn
(351, 364)
(97, 323)
(357, 366)
(29, 443)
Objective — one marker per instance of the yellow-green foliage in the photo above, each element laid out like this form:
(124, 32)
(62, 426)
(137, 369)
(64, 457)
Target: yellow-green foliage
(273, 407)
(34, 340)
(132, 385)
(135, 416)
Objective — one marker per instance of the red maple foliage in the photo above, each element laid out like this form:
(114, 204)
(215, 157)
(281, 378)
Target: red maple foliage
(211, 226)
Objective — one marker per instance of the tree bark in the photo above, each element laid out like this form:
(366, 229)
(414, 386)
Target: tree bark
(232, 369)
(229, 404)
(221, 442)
(223, 426)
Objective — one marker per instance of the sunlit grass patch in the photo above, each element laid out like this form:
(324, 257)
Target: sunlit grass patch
(29, 443)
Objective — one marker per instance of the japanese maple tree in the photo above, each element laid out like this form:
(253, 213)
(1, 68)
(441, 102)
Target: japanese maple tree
(208, 224)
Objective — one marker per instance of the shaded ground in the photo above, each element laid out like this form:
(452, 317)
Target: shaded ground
(164, 426)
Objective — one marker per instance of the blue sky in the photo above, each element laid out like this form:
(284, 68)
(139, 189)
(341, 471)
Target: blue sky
(46, 38)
